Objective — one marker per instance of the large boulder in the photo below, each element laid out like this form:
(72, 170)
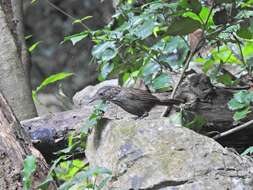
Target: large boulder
(155, 155)
(81, 98)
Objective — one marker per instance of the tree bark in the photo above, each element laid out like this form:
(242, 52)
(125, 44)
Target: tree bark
(13, 75)
(15, 146)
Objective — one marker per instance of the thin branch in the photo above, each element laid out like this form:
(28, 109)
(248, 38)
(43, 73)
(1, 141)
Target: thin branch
(209, 14)
(66, 14)
(185, 41)
(238, 128)
(242, 56)
(188, 60)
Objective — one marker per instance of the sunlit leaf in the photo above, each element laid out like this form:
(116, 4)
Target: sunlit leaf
(235, 105)
(82, 19)
(33, 1)
(241, 114)
(35, 45)
(248, 151)
(76, 37)
(225, 79)
(28, 170)
(196, 124)
(176, 119)
(28, 37)
(105, 51)
(52, 79)
(67, 169)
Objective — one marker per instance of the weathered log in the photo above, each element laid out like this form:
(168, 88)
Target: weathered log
(15, 146)
(52, 131)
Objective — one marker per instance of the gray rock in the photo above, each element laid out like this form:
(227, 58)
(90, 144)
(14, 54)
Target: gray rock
(157, 155)
(82, 97)
(81, 100)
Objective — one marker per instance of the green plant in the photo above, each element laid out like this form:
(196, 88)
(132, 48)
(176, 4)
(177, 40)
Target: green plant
(51, 79)
(74, 173)
(149, 39)
(29, 169)
(248, 151)
(241, 104)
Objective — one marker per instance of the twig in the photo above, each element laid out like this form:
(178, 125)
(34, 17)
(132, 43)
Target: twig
(238, 128)
(66, 14)
(188, 60)
(242, 56)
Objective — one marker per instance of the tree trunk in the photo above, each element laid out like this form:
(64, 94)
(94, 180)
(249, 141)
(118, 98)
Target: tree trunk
(13, 71)
(15, 146)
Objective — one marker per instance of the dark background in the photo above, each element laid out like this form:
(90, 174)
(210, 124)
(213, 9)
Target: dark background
(48, 25)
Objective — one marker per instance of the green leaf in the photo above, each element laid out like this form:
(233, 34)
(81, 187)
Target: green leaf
(208, 65)
(247, 151)
(168, 45)
(77, 21)
(182, 26)
(163, 81)
(29, 168)
(34, 96)
(150, 68)
(81, 177)
(106, 70)
(35, 45)
(28, 37)
(33, 1)
(52, 79)
(145, 29)
(196, 124)
(176, 119)
(76, 37)
(241, 114)
(205, 11)
(248, 50)
(235, 105)
(225, 79)
(244, 96)
(105, 51)
(68, 169)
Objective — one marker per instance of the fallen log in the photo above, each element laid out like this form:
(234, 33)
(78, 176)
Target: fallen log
(50, 133)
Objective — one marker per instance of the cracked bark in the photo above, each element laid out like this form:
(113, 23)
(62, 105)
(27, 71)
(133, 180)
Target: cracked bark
(15, 146)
